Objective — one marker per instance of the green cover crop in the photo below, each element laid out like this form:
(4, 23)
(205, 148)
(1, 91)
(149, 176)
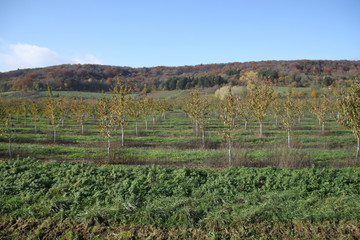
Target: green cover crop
(177, 197)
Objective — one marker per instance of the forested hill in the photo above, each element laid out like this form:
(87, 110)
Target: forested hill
(97, 78)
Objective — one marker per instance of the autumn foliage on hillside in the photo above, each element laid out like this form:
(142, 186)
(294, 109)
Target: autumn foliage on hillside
(97, 78)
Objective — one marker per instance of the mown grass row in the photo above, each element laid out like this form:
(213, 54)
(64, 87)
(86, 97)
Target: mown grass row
(221, 202)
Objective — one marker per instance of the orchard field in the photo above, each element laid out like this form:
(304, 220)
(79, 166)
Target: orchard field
(213, 166)
(173, 142)
(164, 132)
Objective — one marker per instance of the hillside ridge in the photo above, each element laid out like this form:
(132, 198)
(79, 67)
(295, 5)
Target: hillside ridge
(97, 78)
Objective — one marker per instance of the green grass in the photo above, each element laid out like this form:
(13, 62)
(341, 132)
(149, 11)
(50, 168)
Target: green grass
(45, 94)
(208, 200)
(284, 90)
(132, 155)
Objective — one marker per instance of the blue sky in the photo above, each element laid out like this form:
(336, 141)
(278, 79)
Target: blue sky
(37, 33)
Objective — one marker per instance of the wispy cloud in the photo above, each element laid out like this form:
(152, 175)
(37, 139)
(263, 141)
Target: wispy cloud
(87, 58)
(22, 55)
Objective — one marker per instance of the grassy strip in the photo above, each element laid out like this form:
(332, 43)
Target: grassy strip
(206, 200)
(177, 153)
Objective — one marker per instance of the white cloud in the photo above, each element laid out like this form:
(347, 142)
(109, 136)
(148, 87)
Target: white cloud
(22, 55)
(87, 58)
(28, 56)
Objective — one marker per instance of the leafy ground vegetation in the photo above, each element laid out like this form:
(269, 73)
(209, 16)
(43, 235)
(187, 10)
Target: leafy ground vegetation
(61, 200)
(301, 180)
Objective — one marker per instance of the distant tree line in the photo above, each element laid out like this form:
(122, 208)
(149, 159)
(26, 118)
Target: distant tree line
(192, 82)
(89, 77)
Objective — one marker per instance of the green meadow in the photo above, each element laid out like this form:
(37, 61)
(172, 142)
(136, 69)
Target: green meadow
(165, 183)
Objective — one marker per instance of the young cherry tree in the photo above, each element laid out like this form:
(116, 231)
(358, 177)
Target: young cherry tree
(154, 109)
(320, 108)
(192, 109)
(106, 121)
(16, 110)
(35, 113)
(25, 109)
(164, 108)
(276, 109)
(260, 97)
(119, 105)
(244, 112)
(146, 109)
(53, 112)
(228, 115)
(289, 113)
(134, 112)
(349, 113)
(7, 129)
(80, 112)
(64, 104)
(197, 108)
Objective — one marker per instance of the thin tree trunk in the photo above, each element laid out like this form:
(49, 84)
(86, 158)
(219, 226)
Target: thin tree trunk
(261, 129)
(164, 116)
(289, 140)
(276, 121)
(245, 124)
(357, 149)
(108, 149)
(229, 150)
(153, 121)
(62, 123)
(35, 127)
(10, 155)
(146, 124)
(196, 129)
(122, 136)
(136, 128)
(82, 129)
(322, 127)
(54, 134)
(203, 137)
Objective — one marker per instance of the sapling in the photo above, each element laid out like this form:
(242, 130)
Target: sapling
(289, 113)
(228, 115)
(106, 121)
(35, 113)
(53, 112)
(197, 109)
(119, 105)
(260, 97)
(320, 108)
(80, 112)
(7, 130)
(349, 113)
